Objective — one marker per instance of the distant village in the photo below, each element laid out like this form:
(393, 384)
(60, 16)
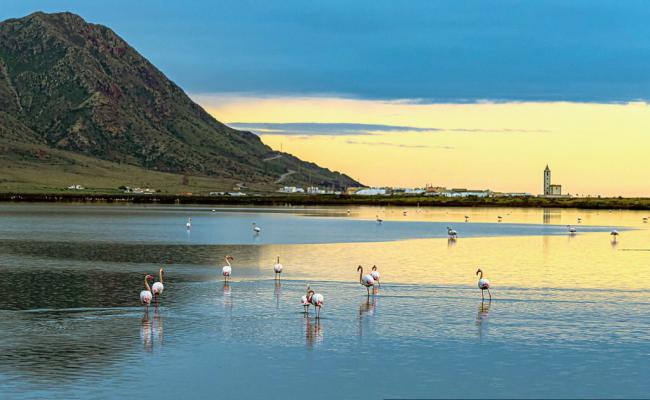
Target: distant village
(549, 190)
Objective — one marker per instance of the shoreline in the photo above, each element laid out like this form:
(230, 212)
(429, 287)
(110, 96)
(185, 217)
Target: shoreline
(324, 200)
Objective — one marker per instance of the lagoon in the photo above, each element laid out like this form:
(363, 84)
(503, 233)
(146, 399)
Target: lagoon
(570, 315)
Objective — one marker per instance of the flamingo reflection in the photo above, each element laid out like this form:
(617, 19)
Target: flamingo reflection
(482, 319)
(366, 308)
(145, 331)
(313, 332)
(227, 298)
(157, 327)
(278, 289)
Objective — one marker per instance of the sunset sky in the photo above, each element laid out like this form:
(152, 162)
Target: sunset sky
(477, 94)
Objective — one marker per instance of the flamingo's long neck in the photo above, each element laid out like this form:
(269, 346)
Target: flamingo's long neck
(480, 274)
(160, 275)
(360, 274)
(228, 261)
(146, 284)
(278, 260)
(309, 295)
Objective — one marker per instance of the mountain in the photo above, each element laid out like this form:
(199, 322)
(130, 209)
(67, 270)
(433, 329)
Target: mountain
(69, 88)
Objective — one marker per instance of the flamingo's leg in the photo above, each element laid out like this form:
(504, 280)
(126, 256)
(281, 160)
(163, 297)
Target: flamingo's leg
(490, 294)
(482, 295)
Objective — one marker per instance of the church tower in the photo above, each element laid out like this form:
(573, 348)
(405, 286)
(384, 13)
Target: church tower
(547, 181)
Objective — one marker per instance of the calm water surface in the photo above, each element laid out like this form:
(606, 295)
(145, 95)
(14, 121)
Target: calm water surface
(570, 315)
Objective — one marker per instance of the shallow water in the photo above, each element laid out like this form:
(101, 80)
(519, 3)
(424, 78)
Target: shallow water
(570, 315)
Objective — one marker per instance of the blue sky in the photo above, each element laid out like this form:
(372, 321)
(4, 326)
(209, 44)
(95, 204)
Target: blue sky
(428, 51)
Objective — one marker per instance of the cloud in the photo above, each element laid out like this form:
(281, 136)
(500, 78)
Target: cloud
(406, 146)
(326, 129)
(350, 129)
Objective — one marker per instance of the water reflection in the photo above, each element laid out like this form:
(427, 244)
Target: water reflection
(366, 308)
(157, 327)
(227, 297)
(145, 331)
(313, 332)
(451, 242)
(482, 319)
(278, 290)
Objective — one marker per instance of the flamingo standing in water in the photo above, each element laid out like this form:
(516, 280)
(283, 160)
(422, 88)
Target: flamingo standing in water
(306, 301)
(316, 299)
(572, 230)
(375, 275)
(614, 235)
(365, 280)
(145, 295)
(158, 287)
(227, 269)
(188, 225)
(379, 220)
(277, 268)
(452, 233)
(483, 284)
(256, 229)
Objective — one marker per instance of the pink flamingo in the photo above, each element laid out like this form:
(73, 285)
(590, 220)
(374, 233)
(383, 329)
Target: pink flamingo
(375, 275)
(316, 299)
(365, 280)
(158, 287)
(227, 269)
(145, 295)
(483, 284)
(277, 268)
(306, 301)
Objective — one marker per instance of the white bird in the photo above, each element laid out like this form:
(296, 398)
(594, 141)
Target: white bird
(158, 287)
(256, 229)
(379, 220)
(452, 233)
(483, 284)
(145, 295)
(188, 225)
(316, 299)
(375, 275)
(277, 268)
(227, 269)
(305, 301)
(366, 280)
(572, 230)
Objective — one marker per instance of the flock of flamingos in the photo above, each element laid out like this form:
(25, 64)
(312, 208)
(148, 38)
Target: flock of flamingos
(311, 298)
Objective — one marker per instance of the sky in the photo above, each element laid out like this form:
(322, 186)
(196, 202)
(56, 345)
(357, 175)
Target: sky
(476, 94)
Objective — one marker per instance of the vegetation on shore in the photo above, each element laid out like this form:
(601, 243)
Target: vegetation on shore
(319, 200)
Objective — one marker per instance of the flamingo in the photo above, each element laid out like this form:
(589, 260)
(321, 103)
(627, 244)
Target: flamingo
(499, 218)
(306, 301)
(145, 295)
(366, 280)
(227, 269)
(483, 284)
(256, 229)
(379, 220)
(579, 220)
(645, 220)
(614, 234)
(452, 233)
(188, 225)
(316, 299)
(572, 230)
(158, 287)
(375, 275)
(277, 268)
(467, 218)
(404, 213)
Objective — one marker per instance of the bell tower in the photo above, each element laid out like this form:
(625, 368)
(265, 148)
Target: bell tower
(547, 181)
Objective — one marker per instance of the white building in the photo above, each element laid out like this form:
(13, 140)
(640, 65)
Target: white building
(76, 187)
(371, 192)
(291, 189)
